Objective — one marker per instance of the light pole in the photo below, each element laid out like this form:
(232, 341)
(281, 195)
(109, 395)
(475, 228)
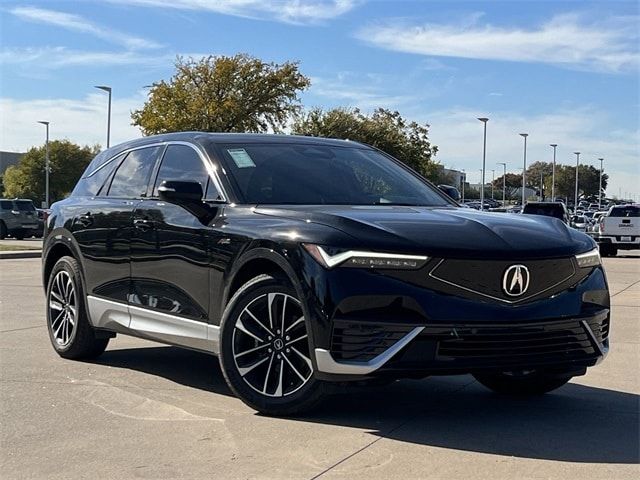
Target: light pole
(541, 187)
(575, 204)
(484, 120)
(108, 90)
(493, 179)
(464, 180)
(46, 165)
(553, 174)
(504, 182)
(524, 168)
(600, 189)
(481, 190)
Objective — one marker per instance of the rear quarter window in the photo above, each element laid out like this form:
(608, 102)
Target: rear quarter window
(92, 183)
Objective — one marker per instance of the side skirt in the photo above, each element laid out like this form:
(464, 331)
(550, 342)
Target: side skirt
(152, 325)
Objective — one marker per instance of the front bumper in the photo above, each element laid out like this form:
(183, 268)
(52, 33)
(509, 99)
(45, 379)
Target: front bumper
(368, 324)
(463, 348)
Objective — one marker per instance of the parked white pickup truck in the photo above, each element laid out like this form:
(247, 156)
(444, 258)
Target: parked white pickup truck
(619, 229)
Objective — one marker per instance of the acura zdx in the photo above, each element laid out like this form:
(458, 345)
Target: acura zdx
(302, 262)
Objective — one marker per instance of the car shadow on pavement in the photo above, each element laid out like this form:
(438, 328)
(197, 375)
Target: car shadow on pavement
(186, 367)
(576, 423)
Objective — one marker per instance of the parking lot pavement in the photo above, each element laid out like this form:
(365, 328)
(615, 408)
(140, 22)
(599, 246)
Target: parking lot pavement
(144, 410)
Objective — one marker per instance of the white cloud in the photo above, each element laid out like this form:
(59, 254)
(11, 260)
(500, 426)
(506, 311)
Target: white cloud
(347, 89)
(83, 121)
(46, 58)
(567, 40)
(458, 136)
(80, 24)
(288, 11)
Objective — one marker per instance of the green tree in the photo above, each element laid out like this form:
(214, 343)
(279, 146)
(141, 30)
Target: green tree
(67, 162)
(383, 129)
(223, 94)
(588, 181)
(512, 184)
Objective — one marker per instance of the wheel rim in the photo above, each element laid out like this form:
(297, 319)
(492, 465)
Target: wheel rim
(63, 308)
(270, 345)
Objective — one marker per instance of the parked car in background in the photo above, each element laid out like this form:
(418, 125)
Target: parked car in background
(580, 222)
(18, 218)
(549, 209)
(301, 262)
(618, 229)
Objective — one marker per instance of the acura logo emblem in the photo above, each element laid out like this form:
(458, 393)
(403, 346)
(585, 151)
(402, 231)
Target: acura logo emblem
(515, 281)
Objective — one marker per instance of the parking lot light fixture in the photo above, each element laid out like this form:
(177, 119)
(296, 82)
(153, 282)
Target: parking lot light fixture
(108, 90)
(524, 168)
(575, 203)
(600, 186)
(484, 120)
(504, 182)
(553, 173)
(46, 165)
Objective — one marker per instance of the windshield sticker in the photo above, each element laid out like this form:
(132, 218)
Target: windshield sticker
(241, 158)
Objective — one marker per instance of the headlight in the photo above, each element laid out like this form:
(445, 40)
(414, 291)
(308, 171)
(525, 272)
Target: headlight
(589, 259)
(360, 259)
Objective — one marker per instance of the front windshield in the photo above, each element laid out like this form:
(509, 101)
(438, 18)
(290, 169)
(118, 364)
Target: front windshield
(298, 174)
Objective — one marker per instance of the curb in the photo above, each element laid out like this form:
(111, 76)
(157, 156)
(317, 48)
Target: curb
(20, 254)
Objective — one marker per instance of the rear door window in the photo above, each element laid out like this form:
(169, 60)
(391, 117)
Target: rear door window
(132, 177)
(6, 205)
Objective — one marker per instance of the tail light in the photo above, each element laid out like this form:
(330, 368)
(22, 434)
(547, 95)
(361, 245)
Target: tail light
(601, 224)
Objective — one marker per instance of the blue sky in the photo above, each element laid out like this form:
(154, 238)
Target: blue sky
(565, 72)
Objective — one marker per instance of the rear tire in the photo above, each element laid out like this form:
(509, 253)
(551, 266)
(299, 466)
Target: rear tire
(3, 231)
(70, 332)
(521, 384)
(265, 352)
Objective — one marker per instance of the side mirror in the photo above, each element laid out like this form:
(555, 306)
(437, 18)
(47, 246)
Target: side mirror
(174, 191)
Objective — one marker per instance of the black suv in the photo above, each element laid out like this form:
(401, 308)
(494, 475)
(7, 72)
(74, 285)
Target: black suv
(19, 219)
(301, 262)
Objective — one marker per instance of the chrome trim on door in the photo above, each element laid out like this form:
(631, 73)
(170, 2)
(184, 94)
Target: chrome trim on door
(153, 325)
(327, 364)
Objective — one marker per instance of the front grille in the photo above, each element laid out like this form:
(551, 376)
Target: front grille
(361, 342)
(485, 277)
(516, 343)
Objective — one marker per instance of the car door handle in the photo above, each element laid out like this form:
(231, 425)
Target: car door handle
(143, 224)
(85, 219)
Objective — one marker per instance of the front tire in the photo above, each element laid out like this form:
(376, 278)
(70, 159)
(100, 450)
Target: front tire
(521, 383)
(70, 332)
(265, 352)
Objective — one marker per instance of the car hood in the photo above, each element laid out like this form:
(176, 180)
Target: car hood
(444, 232)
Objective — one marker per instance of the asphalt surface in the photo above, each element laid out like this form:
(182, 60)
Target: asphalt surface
(145, 410)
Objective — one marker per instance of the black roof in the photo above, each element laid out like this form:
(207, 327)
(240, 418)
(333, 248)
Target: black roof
(204, 138)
